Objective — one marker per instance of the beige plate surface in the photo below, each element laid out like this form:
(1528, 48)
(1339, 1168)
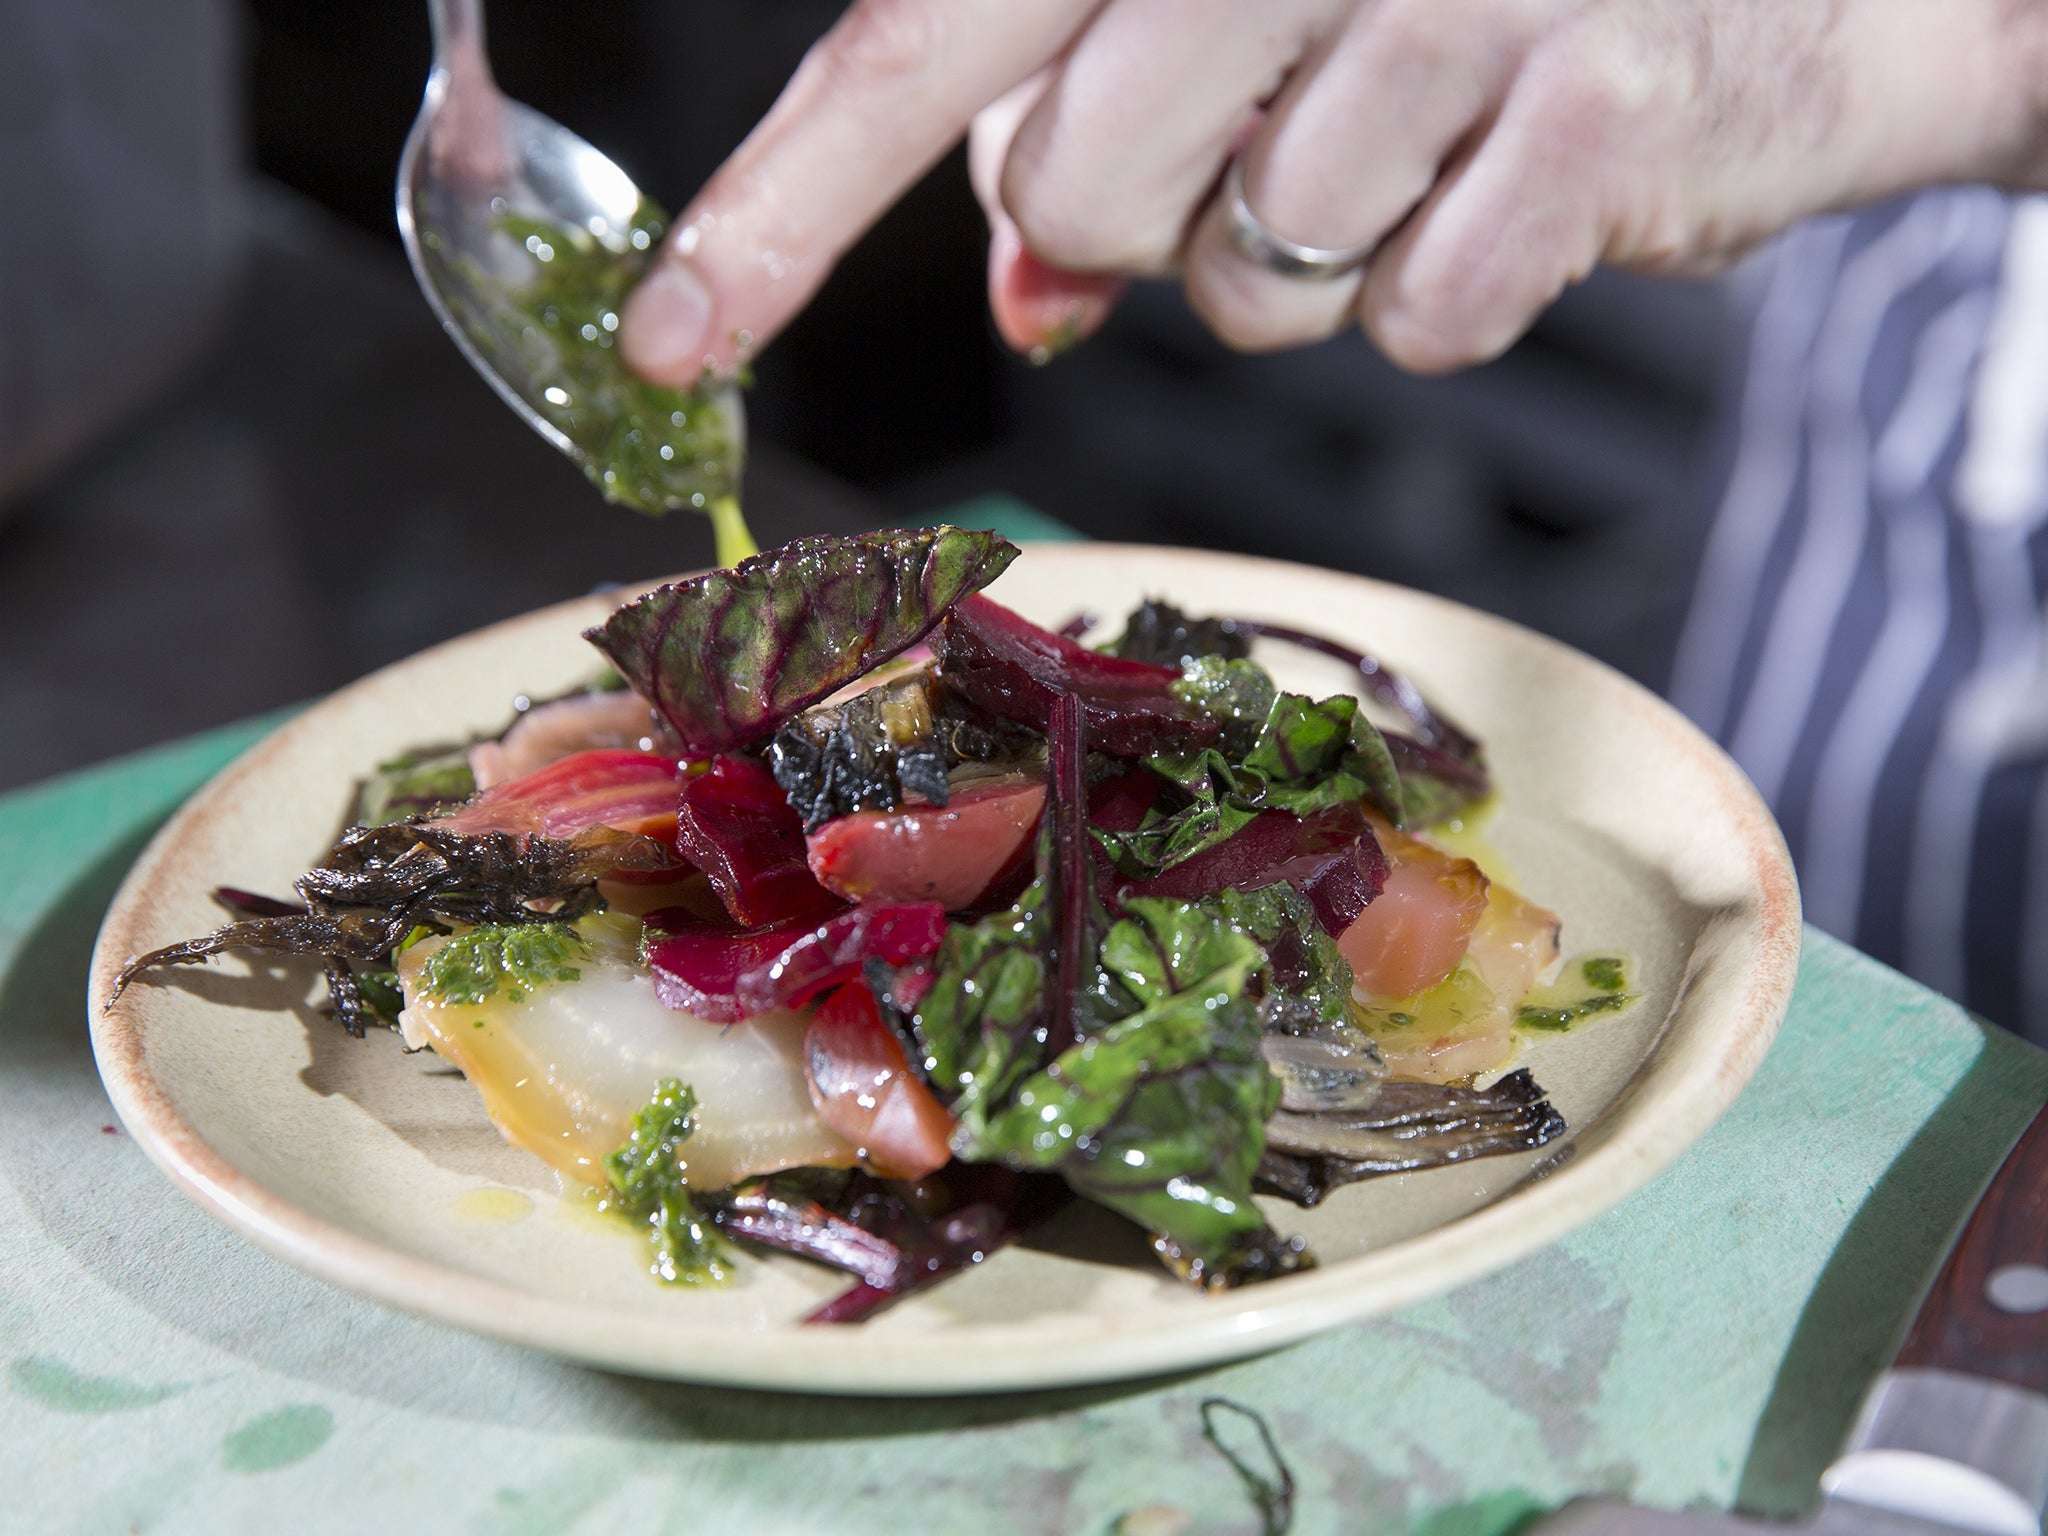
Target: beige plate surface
(379, 1172)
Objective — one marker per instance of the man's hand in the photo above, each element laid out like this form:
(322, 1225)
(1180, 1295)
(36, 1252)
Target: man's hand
(1490, 151)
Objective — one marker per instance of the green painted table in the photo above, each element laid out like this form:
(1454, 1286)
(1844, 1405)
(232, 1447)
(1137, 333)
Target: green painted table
(1705, 1344)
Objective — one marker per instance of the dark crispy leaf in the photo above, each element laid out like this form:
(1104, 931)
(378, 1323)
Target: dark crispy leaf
(728, 656)
(409, 874)
(1402, 1127)
(1160, 633)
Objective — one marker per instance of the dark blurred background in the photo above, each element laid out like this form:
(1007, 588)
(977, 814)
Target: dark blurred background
(239, 464)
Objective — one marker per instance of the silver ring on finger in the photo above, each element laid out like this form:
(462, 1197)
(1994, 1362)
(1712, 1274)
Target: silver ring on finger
(1276, 253)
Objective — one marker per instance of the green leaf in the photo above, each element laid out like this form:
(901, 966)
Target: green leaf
(728, 656)
(1239, 693)
(1309, 755)
(1161, 1115)
(413, 786)
(647, 1177)
(986, 1002)
(1307, 965)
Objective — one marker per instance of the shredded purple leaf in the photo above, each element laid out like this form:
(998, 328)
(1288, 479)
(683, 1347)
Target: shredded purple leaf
(1431, 729)
(241, 903)
(1004, 664)
(1331, 857)
(1074, 853)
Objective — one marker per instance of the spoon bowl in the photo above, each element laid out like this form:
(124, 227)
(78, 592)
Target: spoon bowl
(502, 212)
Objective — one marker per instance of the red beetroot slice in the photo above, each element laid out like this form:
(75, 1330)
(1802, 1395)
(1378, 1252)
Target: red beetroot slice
(951, 854)
(1120, 804)
(863, 1088)
(736, 825)
(607, 786)
(726, 974)
(1332, 858)
(1005, 664)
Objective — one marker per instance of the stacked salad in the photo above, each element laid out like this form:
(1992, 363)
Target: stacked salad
(853, 915)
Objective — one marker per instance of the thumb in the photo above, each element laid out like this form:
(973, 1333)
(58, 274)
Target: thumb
(873, 105)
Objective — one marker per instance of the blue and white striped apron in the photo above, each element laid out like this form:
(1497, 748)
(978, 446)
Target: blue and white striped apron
(1868, 634)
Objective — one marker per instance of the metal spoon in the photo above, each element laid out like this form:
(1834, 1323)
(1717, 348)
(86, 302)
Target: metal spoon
(477, 162)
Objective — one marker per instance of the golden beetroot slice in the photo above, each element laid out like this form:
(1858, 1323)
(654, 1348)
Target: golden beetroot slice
(1514, 944)
(1417, 929)
(949, 854)
(864, 1089)
(605, 786)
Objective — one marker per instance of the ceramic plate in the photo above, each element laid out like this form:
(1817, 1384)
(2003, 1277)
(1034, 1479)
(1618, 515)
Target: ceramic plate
(379, 1172)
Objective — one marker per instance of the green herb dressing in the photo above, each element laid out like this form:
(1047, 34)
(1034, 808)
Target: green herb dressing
(517, 959)
(645, 446)
(648, 1188)
(1588, 987)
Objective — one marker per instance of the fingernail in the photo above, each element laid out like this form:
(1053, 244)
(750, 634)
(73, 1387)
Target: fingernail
(666, 324)
(1042, 311)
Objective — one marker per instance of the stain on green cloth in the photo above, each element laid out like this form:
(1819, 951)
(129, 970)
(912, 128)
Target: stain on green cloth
(277, 1439)
(56, 1385)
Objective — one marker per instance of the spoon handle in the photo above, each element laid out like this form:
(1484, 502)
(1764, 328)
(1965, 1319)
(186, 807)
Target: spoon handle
(458, 33)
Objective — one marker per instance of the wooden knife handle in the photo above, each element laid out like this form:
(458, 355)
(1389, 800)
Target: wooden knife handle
(1987, 1312)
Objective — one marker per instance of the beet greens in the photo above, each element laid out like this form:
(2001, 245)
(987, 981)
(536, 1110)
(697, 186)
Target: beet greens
(728, 656)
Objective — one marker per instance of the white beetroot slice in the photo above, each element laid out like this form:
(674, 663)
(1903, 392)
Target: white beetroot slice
(563, 1072)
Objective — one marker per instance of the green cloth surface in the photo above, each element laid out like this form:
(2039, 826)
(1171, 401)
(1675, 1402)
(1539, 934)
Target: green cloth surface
(1006, 515)
(1704, 1345)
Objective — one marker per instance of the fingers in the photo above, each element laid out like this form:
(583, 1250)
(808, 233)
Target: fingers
(1348, 150)
(873, 105)
(1501, 235)
(1040, 310)
(1131, 132)
(1043, 310)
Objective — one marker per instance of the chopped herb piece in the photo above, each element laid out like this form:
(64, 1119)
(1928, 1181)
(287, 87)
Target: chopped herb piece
(1555, 1009)
(517, 958)
(1608, 973)
(1557, 1020)
(647, 1177)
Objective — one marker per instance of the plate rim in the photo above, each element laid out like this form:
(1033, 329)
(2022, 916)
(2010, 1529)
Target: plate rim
(1689, 1081)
